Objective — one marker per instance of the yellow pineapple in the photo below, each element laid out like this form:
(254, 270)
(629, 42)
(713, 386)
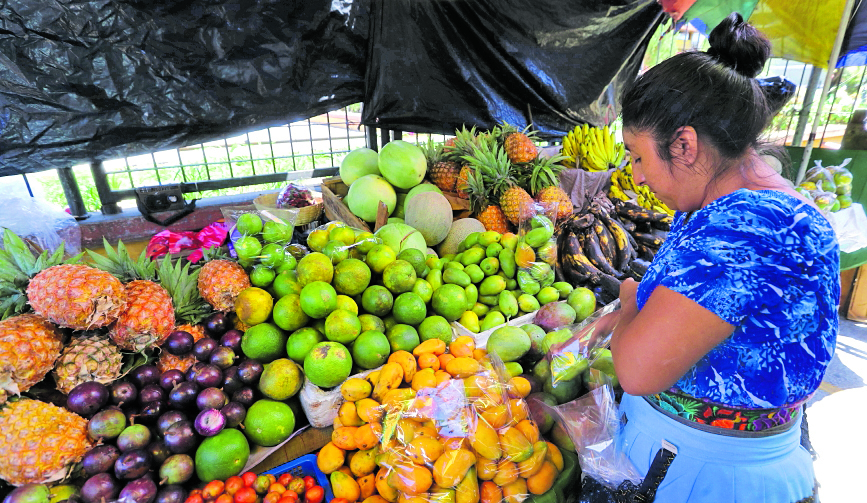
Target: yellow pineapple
(553, 197)
(89, 357)
(39, 442)
(147, 319)
(517, 204)
(220, 282)
(442, 172)
(76, 296)
(462, 185)
(169, 361)
(29, 346)
(519, 145)
(490, 215)
(493, 218)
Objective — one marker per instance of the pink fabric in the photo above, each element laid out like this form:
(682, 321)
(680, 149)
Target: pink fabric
(676, 8)
(174, 242)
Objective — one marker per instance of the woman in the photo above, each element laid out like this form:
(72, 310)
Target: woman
(731, 329)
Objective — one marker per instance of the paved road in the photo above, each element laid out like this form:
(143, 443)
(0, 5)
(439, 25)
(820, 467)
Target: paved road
(836, 415)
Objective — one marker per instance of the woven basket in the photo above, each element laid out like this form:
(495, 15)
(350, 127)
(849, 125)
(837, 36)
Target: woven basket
(306, 214)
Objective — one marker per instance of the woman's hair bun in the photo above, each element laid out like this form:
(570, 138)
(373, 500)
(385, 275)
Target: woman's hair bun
(737, 44)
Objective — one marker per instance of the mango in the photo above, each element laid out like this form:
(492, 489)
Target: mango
(330, 458)
(440, 495)
(367, 485)
(374, 499)
(530, 430)
(472, 256)
(407, 362)
(462, 367)
(490, 265)
(507, 472)
(452, 467)
(509, 343)
(424, 378)
(492, 285)
(533, 464)
(515, 445)
(485, 440)
(364, 462)
(486, 468)
(390, 377)
(491, 320)
(467, 490)
(435, 278)
(497, 416)
(519, 410)
(524, 255)
(508, 266)
(515, 492)
(472, 294)
(528, 303)
(490, 492)
(541, 481)
(554, 455)
(538, 237)
(489, 300)
(368, 435)
(344, 486)
(344, 437)
(423, 450)
(453, 276)
(368, 410)
(396, 396)
(410, 478)
(383, 487)
(508, 304)
(470, 241)
(435, 346)
(470, 321)
(475, 273)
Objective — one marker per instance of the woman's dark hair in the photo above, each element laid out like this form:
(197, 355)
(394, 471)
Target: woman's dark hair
(715, 92)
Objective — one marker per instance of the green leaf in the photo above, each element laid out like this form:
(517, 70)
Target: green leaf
(21, 253)
(74, 259)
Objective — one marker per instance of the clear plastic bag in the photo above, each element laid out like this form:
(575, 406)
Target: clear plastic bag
(536, 260)
(339, 241)
(40, 222)
(573, 351)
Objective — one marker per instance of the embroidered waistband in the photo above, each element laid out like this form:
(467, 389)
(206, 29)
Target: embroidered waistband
(722, 416)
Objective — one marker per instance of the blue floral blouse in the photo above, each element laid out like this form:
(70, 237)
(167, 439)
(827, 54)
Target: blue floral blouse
(767, 263)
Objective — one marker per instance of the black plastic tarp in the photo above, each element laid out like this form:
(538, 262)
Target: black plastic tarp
(435, 65)
(84, 80)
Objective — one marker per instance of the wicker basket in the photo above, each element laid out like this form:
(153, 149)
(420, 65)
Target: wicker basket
(306, 214)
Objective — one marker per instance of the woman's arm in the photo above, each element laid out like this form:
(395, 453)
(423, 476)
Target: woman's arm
(654, 347)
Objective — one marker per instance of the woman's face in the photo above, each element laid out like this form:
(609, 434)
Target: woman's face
(648, 168)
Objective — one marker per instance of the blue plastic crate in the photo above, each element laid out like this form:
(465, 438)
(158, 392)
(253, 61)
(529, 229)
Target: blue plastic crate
(301, 467)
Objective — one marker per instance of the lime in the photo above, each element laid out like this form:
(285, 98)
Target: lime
(223, 455)
(351, 276)
(379, 257)
(253, 305)
(371, 322)
(409, 308)
(342, 326)
(327, 364)
(583, 301)
(318, 299)
(289, 263)
(402, 337)
(249, 224)
(272, 255)
(288, 314)
(346, 303)
(276, 232)
(364, 241)
(423, 289)
(269, 422)
(343, 234)
(281, 379)
(314, 267)
(247, 247)
(435, 327)
(262, 276)
(285, 283)
(415, 257)
(317, 239)
(336, 251)
(263, 342)
(399, 276)
(449, 301)
(389, 322)
(370, 349)
(377, 300)
(301, 341)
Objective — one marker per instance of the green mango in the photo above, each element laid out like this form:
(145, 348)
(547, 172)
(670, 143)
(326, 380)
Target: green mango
(527, 284)
(475, 273)
(492, 285)
(472, 293)
(456, 277)
(508, 304)
(564, 288)
(567, 366)
(472, 256)
(491, 320)
(480, 309)
(490, 266)
(489, 237)
(489, 300)
(493, 250)
(507, 263)
(538, 237)
(435, 278)
(470, 241)
(453, 264)
(527, 303)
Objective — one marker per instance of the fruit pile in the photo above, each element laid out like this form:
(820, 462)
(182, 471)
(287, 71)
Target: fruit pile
(830, 188)
(251, 488)
(263, 247)
(592, 148)
(439, 424)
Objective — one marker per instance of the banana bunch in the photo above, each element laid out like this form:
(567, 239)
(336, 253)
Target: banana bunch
(592, 148)
(624, 188)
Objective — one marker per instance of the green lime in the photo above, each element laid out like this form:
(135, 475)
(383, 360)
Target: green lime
(435, 327)
(289, 263)
(377, 300)
(423, 289)
(399, 276)
(364, 241)
(285, 283)
(314, 267)
(253, 305)
(371, 322)
(328, 364)
(272, 255)
(223, 455)
(343, 234)
(449, 301)
(379, 257)
(351, 277)
(317, 239)
(281, 379)
(336, 251)
(277, 232)
(389, 322)
(287, 312)
(371, 349)
(263, 342)
(342, 326)
(249, 224)
(318, 299)
(262, 276)
(247, 247)
(346, 303)
(269, 422)
(301, 341)
(415, 257)
(402, 337)
(409, 308)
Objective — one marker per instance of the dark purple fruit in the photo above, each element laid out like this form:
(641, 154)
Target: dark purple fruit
(151, 411)
(151, 393)
(235, 414)
(210, 376)
(223, 357)
(249, 371)
(193, 371)
(169, 418)
(159, 451)
(123, 392)
(210, 422)
(184, 395)
(100, 488)
(170, 378)
(244, 396)
(179, 343)
(87, 398)
(171, 494)
(99, 459)
(231, 382)
(132, 464)
(211, 398)
(232, 340)
(177, 469)
(180, 437)
(142, 490)
(203, 348)
(217, 324)
(106, 424)
(136, 436)
(132, 413)
(144, 375)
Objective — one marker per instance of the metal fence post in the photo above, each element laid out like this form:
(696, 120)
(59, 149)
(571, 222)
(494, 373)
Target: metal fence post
(371, 137)
(72, 193)
(109, 207)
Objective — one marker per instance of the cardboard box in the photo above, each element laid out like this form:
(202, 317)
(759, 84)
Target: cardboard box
(858, 300)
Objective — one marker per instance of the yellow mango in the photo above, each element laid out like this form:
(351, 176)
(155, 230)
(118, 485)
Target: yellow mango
(533, 464)
(373, 377)
(424, 378)
(367, 485)
(368, 435)
(344, 437)
(440, 495)
(455, 443)
(349, 415)
(355, 389)
(462, 367)
(554, 455)
(497, 416)
(410, 478)
(407, 363)
(330, 458)
(404, 431)
(530, 430)
(484, 439)
(363, 462)
(507, 472)
(515, 445)
(486, 468)
(345, 469)
(344, 486)
(424, 450)
(396, 396)
(490, 493)
(435, 346)
(467, 490)
(450, 468)
(375, 499)
(543, 479)
(515, 492)
(368, 410)
(387, 458)
(413, 498)
(383, 487)
(519, 410)
(390, 377)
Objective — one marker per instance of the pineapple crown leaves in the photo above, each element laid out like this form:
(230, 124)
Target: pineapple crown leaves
(182, 286)
(213, 253)
(546, 171)
(119, 264)
(433, 152)
(492, 163)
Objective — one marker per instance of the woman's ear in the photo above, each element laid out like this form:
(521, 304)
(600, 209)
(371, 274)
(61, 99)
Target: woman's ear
(684, 146)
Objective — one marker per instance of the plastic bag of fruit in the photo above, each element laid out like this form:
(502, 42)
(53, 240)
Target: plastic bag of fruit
(254, 232)
(339, 241)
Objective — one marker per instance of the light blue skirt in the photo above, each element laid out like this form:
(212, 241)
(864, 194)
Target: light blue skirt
(715, 468)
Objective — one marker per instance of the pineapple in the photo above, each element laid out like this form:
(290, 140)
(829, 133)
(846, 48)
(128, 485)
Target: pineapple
(517, 205)
(493, 218)
(551, 195)
(29, 346)
(490, 215)
(89, 357)
(466, 141)
(443, 172)
(220, 282)
(462, 183)
(148, 318)
(76, 296)
(40, 442)
(519, 145)
(544, 183)
(497, 173)
(169, 361)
